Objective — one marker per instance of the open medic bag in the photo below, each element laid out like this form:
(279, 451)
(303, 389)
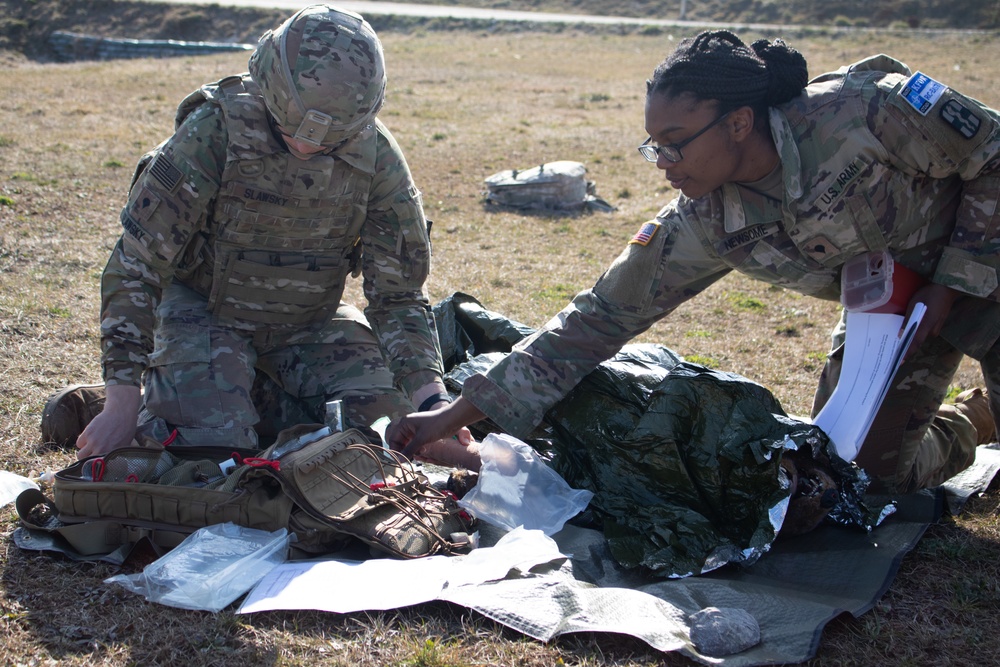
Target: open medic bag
(325, 488)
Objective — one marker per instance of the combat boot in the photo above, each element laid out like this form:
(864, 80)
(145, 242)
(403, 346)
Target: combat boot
(975, 404)
(67, 412)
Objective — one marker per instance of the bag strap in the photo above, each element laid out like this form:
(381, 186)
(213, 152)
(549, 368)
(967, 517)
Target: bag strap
(364, 490)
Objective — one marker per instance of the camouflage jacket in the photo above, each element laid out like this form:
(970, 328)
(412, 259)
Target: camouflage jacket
(872, 158)
(267, 238)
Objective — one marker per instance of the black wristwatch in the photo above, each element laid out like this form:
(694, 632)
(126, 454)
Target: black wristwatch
(431, 400)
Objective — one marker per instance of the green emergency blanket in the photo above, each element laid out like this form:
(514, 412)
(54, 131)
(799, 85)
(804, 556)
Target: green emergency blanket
(684, 461)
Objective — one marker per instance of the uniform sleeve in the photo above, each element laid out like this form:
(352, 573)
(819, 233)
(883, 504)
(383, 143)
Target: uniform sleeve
(167, 208)
(396, 262)
(929, 129)
(665, 264)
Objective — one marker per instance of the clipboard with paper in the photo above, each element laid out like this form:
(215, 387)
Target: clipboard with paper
(875, 292)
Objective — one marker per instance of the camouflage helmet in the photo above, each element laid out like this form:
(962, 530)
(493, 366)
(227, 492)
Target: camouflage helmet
(322, 73)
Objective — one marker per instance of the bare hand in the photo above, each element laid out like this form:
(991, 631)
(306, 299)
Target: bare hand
(938, 300)
(409, 434)
(115, 427)
(458, 451)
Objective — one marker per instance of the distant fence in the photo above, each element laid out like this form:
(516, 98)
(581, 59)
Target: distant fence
(69, 46)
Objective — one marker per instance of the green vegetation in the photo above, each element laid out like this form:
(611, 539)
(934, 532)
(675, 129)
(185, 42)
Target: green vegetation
(744, 302)
(708, 362)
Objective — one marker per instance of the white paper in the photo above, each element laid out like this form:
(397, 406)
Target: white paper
(343, 586)
(11, 486)
(873, 352)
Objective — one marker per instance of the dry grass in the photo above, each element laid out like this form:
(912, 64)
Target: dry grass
(463, 105)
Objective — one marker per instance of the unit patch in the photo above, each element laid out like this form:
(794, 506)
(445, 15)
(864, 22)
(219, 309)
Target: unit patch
(164, 171)
(961, 119)
(731, 243)
(645, 234)
(922, 92)
(250, 168)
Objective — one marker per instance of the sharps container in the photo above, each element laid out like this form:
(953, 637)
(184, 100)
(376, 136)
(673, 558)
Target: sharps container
(873, 283)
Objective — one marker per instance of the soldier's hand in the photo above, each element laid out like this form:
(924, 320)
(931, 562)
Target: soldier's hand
(458, 451)
(409, 434)
(938, 300)
(115, 427)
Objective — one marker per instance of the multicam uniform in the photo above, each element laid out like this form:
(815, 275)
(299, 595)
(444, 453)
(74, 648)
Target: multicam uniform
(234, 257)
(871, 159)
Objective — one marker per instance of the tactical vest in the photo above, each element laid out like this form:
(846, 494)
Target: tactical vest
(284, 233)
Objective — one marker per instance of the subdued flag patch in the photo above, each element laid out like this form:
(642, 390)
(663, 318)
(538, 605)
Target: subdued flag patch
(164, 171)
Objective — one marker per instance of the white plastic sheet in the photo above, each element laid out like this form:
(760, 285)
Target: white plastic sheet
(211, 568)
(516, 488)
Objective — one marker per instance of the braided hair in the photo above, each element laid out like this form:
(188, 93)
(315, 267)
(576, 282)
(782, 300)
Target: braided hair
(717, 65)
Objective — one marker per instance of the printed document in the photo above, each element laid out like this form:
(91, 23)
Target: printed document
(872, 353)
(346, 586)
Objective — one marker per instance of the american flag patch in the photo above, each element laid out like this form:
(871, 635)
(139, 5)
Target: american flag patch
(645, 233)
(163, 170)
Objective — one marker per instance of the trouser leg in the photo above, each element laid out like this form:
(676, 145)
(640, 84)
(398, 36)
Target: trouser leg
(990, 365)
(278, 410)
(915, 441)
(199, 376)
(339, 360)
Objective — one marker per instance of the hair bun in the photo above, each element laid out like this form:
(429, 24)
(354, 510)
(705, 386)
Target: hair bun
(718, 65)
(787, 70)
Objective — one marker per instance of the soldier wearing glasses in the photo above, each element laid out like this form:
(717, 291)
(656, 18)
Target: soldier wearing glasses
(786, 179)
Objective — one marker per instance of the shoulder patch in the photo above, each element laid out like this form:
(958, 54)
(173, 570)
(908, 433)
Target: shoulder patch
(922, 92)
(961, 119)
(645, 234)
(165, 172)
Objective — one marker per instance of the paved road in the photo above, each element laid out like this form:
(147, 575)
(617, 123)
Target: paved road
(441, 11)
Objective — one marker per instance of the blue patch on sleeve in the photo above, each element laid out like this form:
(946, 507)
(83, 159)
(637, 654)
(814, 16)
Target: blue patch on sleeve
(922, 92)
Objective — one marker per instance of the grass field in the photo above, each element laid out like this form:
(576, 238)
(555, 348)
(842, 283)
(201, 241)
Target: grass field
(463, 105)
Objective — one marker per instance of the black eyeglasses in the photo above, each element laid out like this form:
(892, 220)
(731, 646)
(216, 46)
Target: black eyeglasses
(672, 152)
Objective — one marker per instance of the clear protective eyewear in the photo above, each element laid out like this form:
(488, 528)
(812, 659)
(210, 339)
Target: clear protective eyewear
(672, 152)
